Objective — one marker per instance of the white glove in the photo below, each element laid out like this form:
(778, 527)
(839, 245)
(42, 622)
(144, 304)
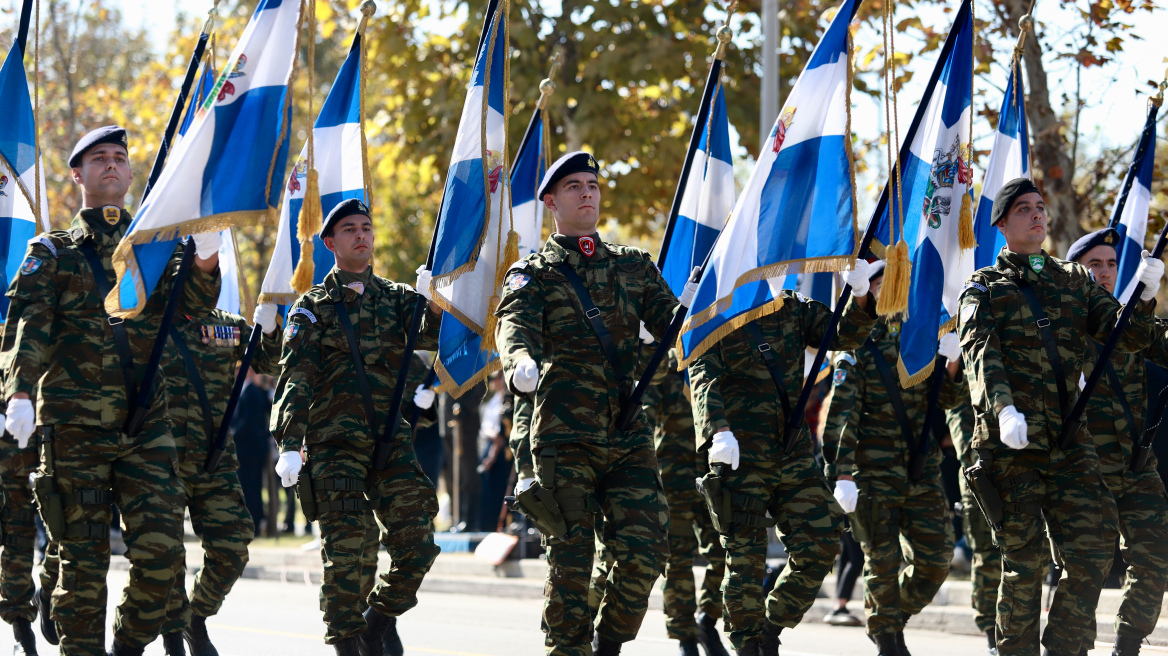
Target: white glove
(526, 375)
(265, 317)
(858, 277)
(646, 336)
(424, 398)
(1012, 427)
(1149, 272)
(724, 449)
(846, 494)
(207, 244)
(523, 485)
(687, 294)
(423, 283)
(21, 420)
(950, 347)
(288, 467)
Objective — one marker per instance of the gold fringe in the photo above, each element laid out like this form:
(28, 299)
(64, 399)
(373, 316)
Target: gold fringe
(907, 381)
(446, 306)
(278, 299)
(724, 330)
(897, 277)
(455, 390)
(965, 237)
(309, 224)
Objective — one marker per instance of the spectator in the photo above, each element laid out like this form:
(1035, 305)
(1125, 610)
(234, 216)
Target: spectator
(253, 442)
(495, 461)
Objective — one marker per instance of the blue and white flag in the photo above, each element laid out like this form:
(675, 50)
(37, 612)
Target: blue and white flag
(340, 162)
(935, 174)
(1010, 159)
(708, 198)
(476, 238)
(220, 174)
(228, 275)
(1130, 215)
(527, 211)
(795, 214)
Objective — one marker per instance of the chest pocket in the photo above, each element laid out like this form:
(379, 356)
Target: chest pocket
(335, 344)
(630, 287)
(1010, 309)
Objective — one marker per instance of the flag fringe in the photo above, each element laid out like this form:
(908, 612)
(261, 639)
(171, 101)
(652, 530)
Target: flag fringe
(906, 380)
(730, 326)
(276, 299)
(448, 307)
(894, 291)
(448, 384)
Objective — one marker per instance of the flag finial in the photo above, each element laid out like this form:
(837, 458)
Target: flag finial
(1158, 99)
(368, 8)
(548, 85)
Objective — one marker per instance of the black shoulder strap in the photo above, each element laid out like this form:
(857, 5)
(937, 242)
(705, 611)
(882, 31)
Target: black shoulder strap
(1113, 380)
(197, 382)
(893, 392)
(592, 313)
(772, 365)
(117, 325)
(359, 365)
(1048, 341)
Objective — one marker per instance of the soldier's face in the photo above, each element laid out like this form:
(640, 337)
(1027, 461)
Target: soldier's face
(874, 287)
(352, 242)
(105, 172)
(1101, 262)
(575, 204)
(1024, 226)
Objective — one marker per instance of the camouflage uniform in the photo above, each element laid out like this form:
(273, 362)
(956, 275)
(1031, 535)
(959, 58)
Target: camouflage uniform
(733, 387)
(64, 356)
(576, 405)
(891, 508)
(319, 407)
(218, 514)
(1008, 365)
(18, 528)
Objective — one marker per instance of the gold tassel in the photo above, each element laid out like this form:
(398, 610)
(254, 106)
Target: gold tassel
(897, 274)
(510, 256)
(309, 224)
(965, 238)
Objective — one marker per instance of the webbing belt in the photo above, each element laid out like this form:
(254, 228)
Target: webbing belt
(893, 393)
(772, 365)
(196, 382)
(1048, 341)
(753, 511)
(359, 365)
(592, 313)
(117, 325)
(90, 497)
(1113, 380)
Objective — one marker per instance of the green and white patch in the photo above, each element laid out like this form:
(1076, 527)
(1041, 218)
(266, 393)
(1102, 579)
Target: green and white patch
(1037, 262)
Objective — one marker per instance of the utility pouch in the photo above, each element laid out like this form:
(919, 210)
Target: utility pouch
(46, 492)
(541, 508)
(717, 498)
(306, 494)
(981, 484)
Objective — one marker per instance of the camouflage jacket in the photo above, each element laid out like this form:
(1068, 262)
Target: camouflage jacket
(540, 317)
(733, 387)
(666, 406)
(1002, 345)
(862, 420)
(318, 398)
(216, 342)
(520, 438)
(63, 352)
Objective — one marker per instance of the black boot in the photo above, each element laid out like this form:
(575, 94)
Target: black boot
(689, 647)
(752, 648)
(120, 649)
(709, 637)
(770, 639)
(173, 644)
(26, 641)
(391, 644)
(886, 644)
(197, 639)
(375, 624)
(1124, 646)
(900, 643)
(602, 646)
(347, 647)
(41, 600)
(992, 640)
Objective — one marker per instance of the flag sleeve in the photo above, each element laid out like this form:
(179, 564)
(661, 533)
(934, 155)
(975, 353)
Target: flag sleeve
(1103, 310)
(301, 358)
(200, 294)
(659, 303)
(845, 407)
(266, 359)
(33, 296)
(427, 333)
(982, 353)
(709, 415)
(519, 333)
(850, 332)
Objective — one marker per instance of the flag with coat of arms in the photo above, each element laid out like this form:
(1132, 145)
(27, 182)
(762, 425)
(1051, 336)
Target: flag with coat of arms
(1009, 160)
(1130, 215)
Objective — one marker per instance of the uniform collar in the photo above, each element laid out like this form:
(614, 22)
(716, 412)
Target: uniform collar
(1017, 265)
(90, 223)
(561, 248)
(336, 279)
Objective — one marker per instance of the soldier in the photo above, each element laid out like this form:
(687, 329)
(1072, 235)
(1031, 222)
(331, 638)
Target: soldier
(1116, 415)
(81, 365)
(740, 415)
(343, 345)
(200, 372)
(18, 534)
(1022, 324)
(568, 339)
(897, 514)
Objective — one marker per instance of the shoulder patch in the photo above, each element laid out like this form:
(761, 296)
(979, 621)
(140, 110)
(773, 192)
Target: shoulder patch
(518, 281)
(31, 265)
(839, 377)
(291, 331)
(44, 240)
(521, 264)
(305, 312)
(968, 310)
(845, 356)
(974, 285)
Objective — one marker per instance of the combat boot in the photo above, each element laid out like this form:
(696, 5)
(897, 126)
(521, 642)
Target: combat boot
(1126, 646)
(120, 649)
(602, 646)
(376, 623)
(709, 637)
(900, 643)
(886, 644)
(992, 639)
(197, 639)
(770, 639)
(752, 648)
(391, 644)
(26, 641)
(689, 647)
(44, 606)
(173, 644)
(348, 647)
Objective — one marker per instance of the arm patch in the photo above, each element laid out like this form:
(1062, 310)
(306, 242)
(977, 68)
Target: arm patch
(305, 311)
(43, 240)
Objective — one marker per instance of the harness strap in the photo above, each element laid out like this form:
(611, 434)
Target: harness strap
(197, 382)
(117, 325)
(772, 365)
(1048, 341)
(592, 313)
(894, 397)
(359, 365)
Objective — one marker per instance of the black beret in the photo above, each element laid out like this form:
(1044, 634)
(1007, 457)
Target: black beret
(1008, 194)
(110, 134)
(875, 270)
(577, 162)
(345, 208)
(1104, 237)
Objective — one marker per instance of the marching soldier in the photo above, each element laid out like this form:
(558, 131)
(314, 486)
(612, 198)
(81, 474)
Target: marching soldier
(568, 338)
(740, 414)
(890, 483)
(18, 528)
(82, 367)
(343, 345)
(1022, 324)
(1116, 417)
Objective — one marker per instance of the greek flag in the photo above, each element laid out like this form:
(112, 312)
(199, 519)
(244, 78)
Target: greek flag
(936, 175)
(1009, 159)
(1130, 215)
(530, 164)
(795, 214)
(475, 238)
(220, 174)
(340, 164)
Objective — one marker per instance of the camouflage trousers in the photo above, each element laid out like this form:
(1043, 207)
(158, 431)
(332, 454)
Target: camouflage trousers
(18, 528)
(985, 572)
(404, 503)
(224, 527)
(141, 472)
(808, 521)
(622, 484)
(691, 532)
(1067, 489)
(902, 522)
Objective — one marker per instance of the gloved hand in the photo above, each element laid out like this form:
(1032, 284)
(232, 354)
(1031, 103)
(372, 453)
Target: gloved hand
(687, 294)
(858, 277)
(846, 494)
(21, 420)
(1149, 272)
(423, 283)
(265, 317)
(646, 336)
(288, 467)
(724, 449)
(523, 485)
(207, 244)
(526, 375)
(424, 398)
(1012, 427)
(950, 347)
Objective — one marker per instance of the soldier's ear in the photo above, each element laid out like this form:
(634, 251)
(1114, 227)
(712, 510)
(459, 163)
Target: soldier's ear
(328, 243)
(76, 173)
(549, 201)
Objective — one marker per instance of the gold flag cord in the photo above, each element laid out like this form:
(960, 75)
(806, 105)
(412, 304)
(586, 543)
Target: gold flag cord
(310, 219)
(898, 269)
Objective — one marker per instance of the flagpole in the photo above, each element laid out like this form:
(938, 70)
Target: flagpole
(1147, 136)
(546, 87)
(22, 31)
